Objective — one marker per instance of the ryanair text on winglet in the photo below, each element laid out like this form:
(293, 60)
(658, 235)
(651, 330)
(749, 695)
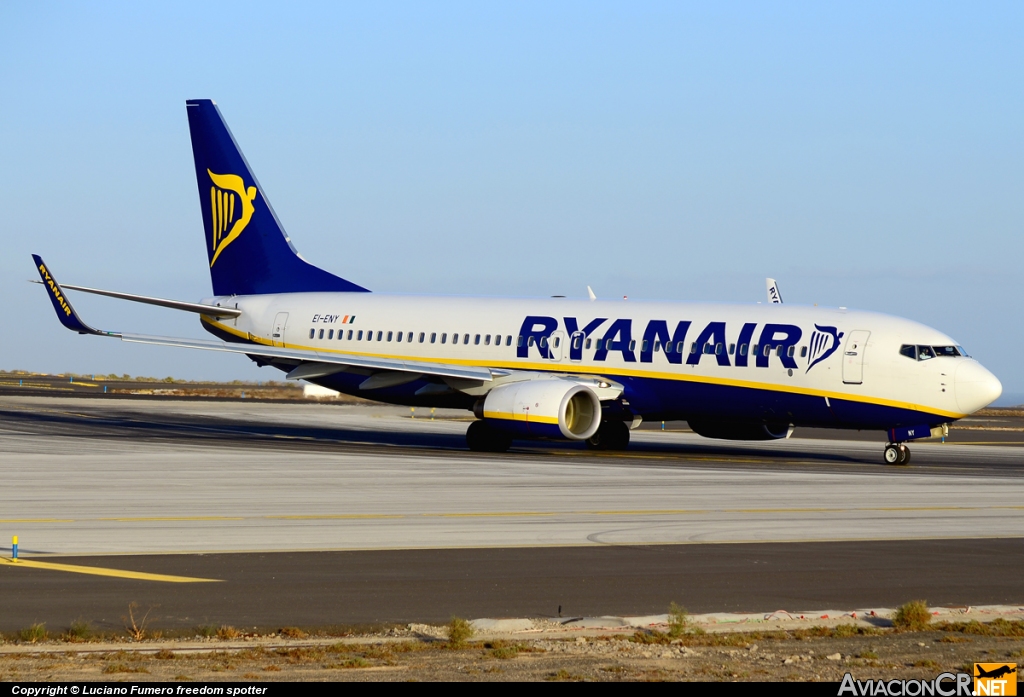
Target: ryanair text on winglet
(55, 290)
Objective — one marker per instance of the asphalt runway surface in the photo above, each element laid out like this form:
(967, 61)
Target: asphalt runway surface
(325, 514)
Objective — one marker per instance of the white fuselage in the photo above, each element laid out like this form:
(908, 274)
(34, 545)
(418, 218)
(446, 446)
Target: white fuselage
(797, 364)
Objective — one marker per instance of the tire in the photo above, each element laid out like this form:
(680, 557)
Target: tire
(612, 435)
(481, 438)
(892, 455)
(904, 455)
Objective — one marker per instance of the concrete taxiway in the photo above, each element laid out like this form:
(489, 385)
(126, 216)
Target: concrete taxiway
(376, 497)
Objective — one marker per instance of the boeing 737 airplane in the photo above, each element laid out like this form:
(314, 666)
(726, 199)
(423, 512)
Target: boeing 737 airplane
(552, 368)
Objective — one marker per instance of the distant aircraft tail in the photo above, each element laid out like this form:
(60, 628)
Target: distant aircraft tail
(248, 249)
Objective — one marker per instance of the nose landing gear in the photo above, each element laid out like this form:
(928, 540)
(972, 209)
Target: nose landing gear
(897, 454)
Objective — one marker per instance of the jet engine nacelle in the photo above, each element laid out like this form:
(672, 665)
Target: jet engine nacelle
(731, 430)
(542, 409)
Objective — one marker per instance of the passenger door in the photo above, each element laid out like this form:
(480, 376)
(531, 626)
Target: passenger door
(280, 323)
(853, 357)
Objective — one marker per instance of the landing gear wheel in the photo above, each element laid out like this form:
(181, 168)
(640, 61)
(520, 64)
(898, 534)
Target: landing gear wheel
(905, 453)
(612, 435)
(482, 438)
(897, 454)
(892, 454)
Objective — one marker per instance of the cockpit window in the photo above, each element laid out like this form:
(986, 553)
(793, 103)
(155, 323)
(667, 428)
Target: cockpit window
(923, 353)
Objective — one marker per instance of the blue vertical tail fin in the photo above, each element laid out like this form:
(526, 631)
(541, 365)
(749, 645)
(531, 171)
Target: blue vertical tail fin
(249, 252)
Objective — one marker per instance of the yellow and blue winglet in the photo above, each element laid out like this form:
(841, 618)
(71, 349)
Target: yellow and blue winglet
(65, 313)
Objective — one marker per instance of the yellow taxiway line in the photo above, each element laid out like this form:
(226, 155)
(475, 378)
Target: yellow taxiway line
(100, 571)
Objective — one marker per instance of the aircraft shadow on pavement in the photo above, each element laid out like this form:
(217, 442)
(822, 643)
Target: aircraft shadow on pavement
(126, 424)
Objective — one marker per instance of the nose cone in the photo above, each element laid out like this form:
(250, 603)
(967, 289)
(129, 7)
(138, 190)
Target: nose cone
(975, 387)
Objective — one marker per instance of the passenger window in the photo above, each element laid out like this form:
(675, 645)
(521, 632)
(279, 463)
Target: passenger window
(321, 333)
(588, 344)
(476, 340)
(390, 335)
(360, 336)
(519, 341)
(803, 352)
(312, 333)
(508, 340)
(599, 343)
(708, 348)
(330, 334)
(668, 348)
(444, 337)
(465, 339)
(743, 349)
(543, 342)
(369, 336)
(767, 351)
(379, 335)
(455, 338)
(399, 337)
(643, 346)
(349, 335)
(422, 334)
(558, 341)
(791, 351)
(680, 346)
(778, 350)
(693, 348)
(433, 337)
(632, 345)
(719, 347)
(924, 353)
(732, 349)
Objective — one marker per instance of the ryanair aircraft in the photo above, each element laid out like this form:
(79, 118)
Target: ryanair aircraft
(555, 368)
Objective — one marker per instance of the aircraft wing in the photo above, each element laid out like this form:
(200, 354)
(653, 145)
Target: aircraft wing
(70, 319)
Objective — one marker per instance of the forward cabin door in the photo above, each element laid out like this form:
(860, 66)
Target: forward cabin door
(853, 357)
(280, 322)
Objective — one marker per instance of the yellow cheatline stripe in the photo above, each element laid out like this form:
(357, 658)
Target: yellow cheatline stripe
(604, 370)
(157, 519)
(99, 571)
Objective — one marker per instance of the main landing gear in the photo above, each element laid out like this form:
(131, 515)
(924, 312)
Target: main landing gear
(612, 435)
(481, 438)
(897, 454)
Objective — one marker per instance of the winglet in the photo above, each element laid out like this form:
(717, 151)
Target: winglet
(774, 296)
(65, 313)
(590, 293)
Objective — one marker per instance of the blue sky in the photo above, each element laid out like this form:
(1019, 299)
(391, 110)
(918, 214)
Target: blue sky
(866, 155)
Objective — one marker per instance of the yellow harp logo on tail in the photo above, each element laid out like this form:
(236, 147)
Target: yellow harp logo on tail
(229, 217)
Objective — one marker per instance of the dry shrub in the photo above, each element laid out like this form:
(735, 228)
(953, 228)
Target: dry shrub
(227, 632)
(459, 632)
(913, 616)
(292, 633)
(33, 633)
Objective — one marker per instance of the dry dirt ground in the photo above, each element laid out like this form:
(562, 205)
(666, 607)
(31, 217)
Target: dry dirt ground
(813, 654)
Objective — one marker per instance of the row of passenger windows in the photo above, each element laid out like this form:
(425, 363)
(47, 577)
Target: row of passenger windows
(578, 342)
(923, 353)
(409, 337)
